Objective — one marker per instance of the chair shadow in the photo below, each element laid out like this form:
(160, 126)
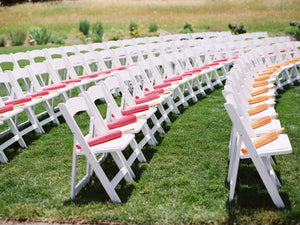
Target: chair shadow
(93, 191)
(251, 194)
(14, 150)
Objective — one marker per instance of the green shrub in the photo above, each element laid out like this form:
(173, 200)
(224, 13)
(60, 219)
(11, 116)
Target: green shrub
(237, 28)
(84, 26)
(115, 35)
(290, 30)
(2, 41)
(133, 29)
(40, 36)
(58, 38)
(17, 37)
(153, 27)
(186, 29)
(188, 26)
(293, 29)
(97, 32)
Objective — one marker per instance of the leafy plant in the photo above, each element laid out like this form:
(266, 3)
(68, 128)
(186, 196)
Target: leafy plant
(237, 28)
(97, 32)
(186, 29)
(294, 29)
(40, 36)
(84, 26)
(17, 37)
(133, 29)
(58, 38)
(115, 35)
(153, 27)
(188, 26)
(2, 41)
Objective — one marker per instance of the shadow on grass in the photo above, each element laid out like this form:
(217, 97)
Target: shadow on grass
(15, 149)
(251, 194)
(94, 191)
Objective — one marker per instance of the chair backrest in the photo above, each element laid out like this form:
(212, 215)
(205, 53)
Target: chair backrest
(37, 55)
(72, 107)
(92, 61)
(113, 44)
(61, 70)
(121, 57)
(107, 60)
(128, 42)
(141, 41)
(98, 46)
(69, 50)
(154, 49)
(43, 74)
(76, 63)
(82, 48)
(7, 90)
(154, 40)
(141, 79)
(113, 84)
(98, 93)
(134, 53)
(23, 82)
(20, 59)
(6, 62)
(52, 53)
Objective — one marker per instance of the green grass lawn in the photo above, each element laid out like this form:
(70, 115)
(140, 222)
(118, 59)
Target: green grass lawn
(183, 181)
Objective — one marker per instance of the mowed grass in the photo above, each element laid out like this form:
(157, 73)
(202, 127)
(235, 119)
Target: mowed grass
(269, 15)
(183, 181)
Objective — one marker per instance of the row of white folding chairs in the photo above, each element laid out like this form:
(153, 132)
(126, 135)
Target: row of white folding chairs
(137, 89)
(31, 56)
(24, 89)
(239, 91)
(86, 71)
(131, 78)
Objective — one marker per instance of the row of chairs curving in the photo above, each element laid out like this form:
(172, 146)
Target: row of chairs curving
(164, 81)
(143, 88)
(250, 92)
(47, 80)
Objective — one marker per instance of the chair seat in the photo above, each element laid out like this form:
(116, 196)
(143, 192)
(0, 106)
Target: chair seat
(135, 109)
(279, 146)
(163, 85)
(123, 121)
(54, 87)
(18, 101)
(103, 138)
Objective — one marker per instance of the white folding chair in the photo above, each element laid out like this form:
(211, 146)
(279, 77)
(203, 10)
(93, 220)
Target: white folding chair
(104, 143)
(128, 105)
(8, 113)
(114, 120)
(259, 156)
(26, 85)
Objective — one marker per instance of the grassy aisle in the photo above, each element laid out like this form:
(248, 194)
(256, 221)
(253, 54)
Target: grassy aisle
(182, 183)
